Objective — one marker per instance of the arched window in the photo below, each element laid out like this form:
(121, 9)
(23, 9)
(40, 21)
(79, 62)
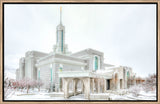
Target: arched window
(96, 63)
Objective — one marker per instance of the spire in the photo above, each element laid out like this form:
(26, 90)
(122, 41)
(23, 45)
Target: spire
(60, 46)
(60, 15)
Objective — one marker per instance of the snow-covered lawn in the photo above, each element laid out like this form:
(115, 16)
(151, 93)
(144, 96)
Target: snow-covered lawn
(143, 96)
(114, 95)
(18, 95)
(129, 96)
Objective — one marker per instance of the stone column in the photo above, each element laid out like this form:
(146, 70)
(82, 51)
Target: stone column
(104, 86)
(66, 88)
(60, 84)
(125, 82)
(98, 85)
(75, 86)
(107, 85)
(92, 85)
(51, 72)
(82, 85)
(56, 87)
(87, 88)
(123, 85)
(54, 75)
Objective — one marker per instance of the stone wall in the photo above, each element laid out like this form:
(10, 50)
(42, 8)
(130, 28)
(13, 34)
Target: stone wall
(45, 76)
(22, 68)
(27, 67)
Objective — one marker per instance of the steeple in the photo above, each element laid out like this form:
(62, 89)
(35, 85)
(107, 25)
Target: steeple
(60, 46)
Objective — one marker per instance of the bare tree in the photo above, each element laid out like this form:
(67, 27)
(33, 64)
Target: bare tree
(150, 83)
(29, 84)
(39, 83)
(135, 90)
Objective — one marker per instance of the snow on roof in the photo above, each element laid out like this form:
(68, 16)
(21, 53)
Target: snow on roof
(106, 68)
(101, 71)
(88, 50)
(108, 65)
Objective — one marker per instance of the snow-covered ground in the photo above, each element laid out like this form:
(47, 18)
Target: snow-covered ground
(142, 96)
(35, 95)
(18, 95)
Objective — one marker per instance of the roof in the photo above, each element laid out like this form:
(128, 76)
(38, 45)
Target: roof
(35, 53)
(56, 55)
(88, 51)
(108, 65)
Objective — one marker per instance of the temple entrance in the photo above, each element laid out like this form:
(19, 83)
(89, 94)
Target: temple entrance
(70, 89)
(76, 86)
(120, 83)
(108, 84)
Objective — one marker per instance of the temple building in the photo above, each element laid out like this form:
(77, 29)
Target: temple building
(80, 72)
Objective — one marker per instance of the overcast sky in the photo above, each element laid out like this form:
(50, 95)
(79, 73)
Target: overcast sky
(125, 33)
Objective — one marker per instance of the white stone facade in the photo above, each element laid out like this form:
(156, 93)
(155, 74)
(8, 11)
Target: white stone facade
(62, 71)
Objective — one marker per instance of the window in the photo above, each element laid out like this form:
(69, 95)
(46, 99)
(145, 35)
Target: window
(62, 42)
(39, 74)
(128, 74)
(51, 74)
(96, 63)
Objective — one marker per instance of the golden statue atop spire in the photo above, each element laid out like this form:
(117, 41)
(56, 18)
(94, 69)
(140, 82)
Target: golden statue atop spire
(60, 8)
(60, 14)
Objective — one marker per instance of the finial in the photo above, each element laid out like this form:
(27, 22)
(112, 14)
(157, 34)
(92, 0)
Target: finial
(60, 8)
(60, 15)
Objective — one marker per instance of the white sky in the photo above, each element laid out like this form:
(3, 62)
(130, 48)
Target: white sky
(125, 33)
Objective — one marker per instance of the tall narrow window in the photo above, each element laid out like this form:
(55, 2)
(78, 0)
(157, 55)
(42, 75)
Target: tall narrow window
(128, 79)
(96, 63)
(38, 74)
(51, 74)
(62, 42)
(128, 74)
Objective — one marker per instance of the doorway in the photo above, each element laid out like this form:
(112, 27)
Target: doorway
(108, 84)
(120, 83)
